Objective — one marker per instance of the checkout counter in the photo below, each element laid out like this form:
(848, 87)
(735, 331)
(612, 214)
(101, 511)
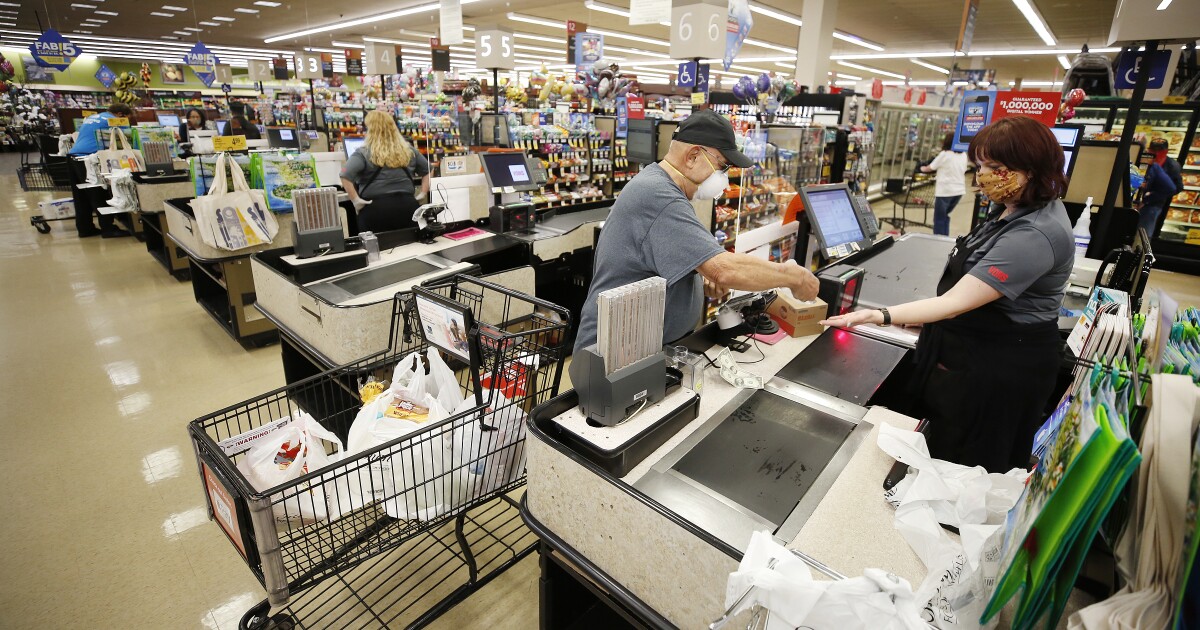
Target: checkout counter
(152, 192)
(335, 309)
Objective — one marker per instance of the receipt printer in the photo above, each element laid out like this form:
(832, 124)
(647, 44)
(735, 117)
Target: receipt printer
(512, 217)
(609, 399)
(839, 288)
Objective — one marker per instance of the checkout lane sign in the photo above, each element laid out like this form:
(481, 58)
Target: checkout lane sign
(52, 50)
(202, 62)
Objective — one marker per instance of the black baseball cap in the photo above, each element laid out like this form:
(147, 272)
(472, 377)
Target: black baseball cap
(710, 129)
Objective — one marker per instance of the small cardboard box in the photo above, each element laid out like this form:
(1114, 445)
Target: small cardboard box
(796, 318)
(57, 208)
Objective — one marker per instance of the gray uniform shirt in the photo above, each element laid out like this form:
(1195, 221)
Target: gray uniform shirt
(1029, 264)
(652, 231)
(391, 181)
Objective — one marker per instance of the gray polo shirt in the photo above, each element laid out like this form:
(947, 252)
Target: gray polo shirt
(1029, 264)
(359, 168)
(652, 231)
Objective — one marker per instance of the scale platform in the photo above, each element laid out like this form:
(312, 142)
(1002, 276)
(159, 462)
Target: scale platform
(355, 284)
(844, 365)
(763, 462)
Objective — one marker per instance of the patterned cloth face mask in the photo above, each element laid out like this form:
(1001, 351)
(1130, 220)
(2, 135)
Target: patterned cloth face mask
(1000, 185)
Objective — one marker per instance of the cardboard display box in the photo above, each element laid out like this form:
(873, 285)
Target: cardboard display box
(797, 318)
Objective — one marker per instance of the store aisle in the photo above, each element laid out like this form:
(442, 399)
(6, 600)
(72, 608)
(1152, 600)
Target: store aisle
(106, 359)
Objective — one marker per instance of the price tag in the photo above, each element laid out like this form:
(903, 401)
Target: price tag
(87, 112)
(308, 66)
(1175, 100)
(1143, 129)
(229, 143)
(698, 30)
(698, 98)
(494, 49)
(118, 122)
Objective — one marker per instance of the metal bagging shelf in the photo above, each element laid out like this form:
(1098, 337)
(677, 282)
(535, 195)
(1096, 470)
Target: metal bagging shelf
(458, 474)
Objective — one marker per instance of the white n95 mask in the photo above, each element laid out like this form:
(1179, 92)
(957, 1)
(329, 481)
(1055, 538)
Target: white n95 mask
(712, 186)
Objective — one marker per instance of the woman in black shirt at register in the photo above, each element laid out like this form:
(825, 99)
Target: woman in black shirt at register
(989, 351)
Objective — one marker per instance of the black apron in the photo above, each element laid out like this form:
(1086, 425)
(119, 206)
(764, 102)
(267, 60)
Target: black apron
(982, 380)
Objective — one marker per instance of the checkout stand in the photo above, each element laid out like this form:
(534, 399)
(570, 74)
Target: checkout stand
(152, 192)
(222, 281)
(335, 309)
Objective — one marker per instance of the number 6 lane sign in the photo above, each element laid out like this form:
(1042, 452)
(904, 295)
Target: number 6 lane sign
(698, 30)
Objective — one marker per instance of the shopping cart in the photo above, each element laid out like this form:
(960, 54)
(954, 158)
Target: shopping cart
(367, 569)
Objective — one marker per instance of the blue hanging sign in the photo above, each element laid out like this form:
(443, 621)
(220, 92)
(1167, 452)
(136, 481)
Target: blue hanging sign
(52, 50)
(622, 117)
(105, 76)
(702, 78)
(737, 30)
(202, 62)
(589, 48)
(687, 74)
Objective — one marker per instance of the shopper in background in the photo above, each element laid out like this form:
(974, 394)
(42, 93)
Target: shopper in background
(194, 120)
(1163, 181)
(652, 230)
(87, 200)
(383, 176)
(951, 169)
(989, 353)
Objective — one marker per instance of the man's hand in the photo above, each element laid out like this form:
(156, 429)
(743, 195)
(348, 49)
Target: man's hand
(713, 290)
(805, 285)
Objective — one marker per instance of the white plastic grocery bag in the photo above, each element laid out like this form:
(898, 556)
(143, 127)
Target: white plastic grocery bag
(442, 382)
(278, 457)
(114, 158)
(124, 192)
(233, 220)
(487, 450)
(408, 478)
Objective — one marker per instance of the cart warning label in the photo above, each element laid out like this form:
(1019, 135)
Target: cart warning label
(243, 441)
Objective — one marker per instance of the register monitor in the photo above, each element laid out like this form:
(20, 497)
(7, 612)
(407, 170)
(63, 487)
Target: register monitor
(351, 144)
(283, 138)
(508, 171)
(641, 141)
(835, 219)
(168, 120)
(221, 124)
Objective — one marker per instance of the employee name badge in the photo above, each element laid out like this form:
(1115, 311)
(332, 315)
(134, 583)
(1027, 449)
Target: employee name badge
(118, 122)
(229, 143)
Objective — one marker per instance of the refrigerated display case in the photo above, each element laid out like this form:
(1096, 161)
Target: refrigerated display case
(906, 136)
(1177, 246)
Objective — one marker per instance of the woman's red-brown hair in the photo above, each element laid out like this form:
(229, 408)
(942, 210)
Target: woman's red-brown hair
(1024, 144)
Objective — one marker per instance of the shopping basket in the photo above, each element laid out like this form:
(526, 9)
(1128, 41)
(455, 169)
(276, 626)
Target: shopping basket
(477, 535)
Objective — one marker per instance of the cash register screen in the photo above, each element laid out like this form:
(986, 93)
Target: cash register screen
(507, 169)
(833, 212)
(352, 144)
(766, 455)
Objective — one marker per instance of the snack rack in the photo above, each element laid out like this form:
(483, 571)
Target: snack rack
(366, 568)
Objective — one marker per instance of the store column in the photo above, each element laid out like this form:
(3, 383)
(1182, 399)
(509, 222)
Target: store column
(816, 43)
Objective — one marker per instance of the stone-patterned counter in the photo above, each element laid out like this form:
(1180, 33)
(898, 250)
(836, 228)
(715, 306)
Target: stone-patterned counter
(671, 565)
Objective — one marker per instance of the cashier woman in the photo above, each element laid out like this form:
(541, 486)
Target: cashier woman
(989, 350)
(652, 230)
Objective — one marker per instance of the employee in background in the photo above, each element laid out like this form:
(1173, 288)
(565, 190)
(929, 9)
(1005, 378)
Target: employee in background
(87, 200)
(383, 177)
(1163, 181)
(652, 230)
(989, 352)
(949, 187)
(240, 126)
(194, 120)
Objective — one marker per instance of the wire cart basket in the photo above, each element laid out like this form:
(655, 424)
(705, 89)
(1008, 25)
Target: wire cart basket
(316, 572)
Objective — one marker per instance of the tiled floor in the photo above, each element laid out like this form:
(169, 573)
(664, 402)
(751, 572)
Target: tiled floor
(105, 359)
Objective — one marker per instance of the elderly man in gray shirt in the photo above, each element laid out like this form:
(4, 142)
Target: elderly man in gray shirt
(653, 231)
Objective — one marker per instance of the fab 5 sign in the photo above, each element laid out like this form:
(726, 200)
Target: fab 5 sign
(52, 50)
(203, 63)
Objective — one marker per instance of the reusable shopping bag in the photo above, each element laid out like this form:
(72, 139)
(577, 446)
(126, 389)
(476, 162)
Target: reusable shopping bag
(114, 158)
(233, 220)
(407, 478)
(278, 457)
(203, 169)
(278, 174)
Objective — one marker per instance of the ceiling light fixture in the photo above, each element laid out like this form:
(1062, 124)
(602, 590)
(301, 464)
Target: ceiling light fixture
(761, 44)
(973, 53)
(855, 39)
(849, 76)
(538, 38)
(184, 33)
(221, 18)
(161, 14)
(1035, 20)
(421, 8)
(9, 4)
(193, 28)
(1162, 6)
(211, 23)
(637, 51)
(778, 15)
(347, 44)
(264, 3)
(608, 8)
(112, 13)
(1062, 60)
(242, 10)
(76, 5)
(870, 69)
(170, 37)
(930, 66)
(634, 38)
(529, 19)
(169, 7)
(1036, 83)
(95, 21)
(538, 49)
